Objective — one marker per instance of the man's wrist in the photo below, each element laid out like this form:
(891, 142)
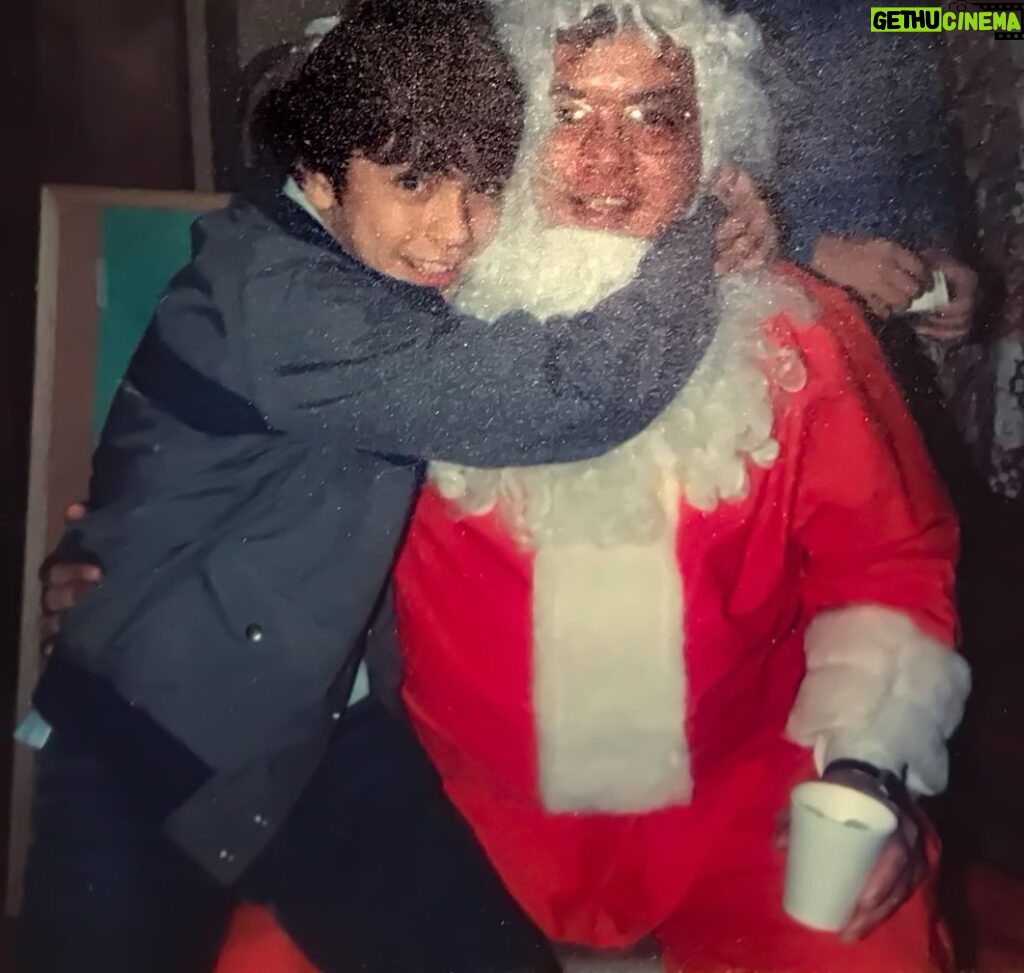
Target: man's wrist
(884, 783)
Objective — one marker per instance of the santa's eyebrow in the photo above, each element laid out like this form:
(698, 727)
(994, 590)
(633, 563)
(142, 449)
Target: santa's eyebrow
(668, 92)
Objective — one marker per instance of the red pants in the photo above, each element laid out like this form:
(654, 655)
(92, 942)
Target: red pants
(730, 920)
(705, 935)
(256, 942)
(900, 946)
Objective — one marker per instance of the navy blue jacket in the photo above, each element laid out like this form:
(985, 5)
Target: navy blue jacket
(257, 472)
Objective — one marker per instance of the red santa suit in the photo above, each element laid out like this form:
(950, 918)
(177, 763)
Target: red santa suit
(608, 703)
(621, 668)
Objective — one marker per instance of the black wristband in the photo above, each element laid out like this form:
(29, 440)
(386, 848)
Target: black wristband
(891, 785)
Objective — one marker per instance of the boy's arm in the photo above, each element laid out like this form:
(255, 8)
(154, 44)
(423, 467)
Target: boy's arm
(338, 351)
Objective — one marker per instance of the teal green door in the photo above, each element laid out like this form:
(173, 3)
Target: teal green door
(142, 250)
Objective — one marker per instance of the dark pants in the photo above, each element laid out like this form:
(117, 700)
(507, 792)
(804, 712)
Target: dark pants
(373, 871)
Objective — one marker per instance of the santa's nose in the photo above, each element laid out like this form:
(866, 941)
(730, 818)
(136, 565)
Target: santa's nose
(605, 154)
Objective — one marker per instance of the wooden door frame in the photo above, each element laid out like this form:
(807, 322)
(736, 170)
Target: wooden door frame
(67, 323)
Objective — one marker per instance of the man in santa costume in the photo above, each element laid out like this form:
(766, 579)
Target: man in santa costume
(621, 668)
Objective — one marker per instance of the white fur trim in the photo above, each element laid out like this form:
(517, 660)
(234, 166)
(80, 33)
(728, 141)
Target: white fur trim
(609, 683)
(879, 689)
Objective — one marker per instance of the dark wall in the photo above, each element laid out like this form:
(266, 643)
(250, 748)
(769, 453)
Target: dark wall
(19, 166)
(112, 93)
(94, 93)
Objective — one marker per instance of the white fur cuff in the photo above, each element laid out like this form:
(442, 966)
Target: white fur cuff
(878, 689)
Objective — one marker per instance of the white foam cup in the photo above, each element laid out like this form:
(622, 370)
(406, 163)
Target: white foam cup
(835, 836)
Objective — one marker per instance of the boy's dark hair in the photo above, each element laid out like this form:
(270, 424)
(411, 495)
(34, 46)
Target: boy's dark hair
(426, 84)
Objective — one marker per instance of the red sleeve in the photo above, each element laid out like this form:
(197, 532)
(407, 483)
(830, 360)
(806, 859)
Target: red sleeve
(879, 542)
(873, 519)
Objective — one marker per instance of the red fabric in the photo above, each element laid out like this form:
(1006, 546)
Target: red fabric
(850, 513)
(256, 944)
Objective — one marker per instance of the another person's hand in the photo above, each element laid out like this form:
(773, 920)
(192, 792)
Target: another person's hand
(900, 868)
(748, 237)
(64, 585)
(884, 275)
(954, 322)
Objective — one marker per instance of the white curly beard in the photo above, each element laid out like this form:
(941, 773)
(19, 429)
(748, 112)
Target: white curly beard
(703, 442)
(546, 270)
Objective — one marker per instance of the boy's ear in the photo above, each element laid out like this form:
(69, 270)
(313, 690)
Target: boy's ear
(319, 191)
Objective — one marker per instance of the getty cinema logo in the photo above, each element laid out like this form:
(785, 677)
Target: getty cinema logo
(1002, 20)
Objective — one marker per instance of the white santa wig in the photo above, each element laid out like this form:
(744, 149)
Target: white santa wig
(723, 419)
(530, 265)
(736, 122)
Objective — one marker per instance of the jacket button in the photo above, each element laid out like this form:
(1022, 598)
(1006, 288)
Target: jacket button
(254, 633)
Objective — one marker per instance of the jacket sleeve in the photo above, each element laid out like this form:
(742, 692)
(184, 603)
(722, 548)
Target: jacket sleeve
(339, 351)
(879, 540)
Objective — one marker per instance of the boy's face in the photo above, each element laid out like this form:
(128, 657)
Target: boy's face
(420, 229)
(625, 153)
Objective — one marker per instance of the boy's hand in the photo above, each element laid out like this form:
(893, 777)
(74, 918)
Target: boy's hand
(748, 237)
(64, 585)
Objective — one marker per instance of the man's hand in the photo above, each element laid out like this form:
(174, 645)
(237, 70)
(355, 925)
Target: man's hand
(881, 273)
(954, 322)
(901, 866)
(63, 587)
(748, 237)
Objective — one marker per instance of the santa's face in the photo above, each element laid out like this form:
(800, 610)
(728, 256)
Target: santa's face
(624, 156)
